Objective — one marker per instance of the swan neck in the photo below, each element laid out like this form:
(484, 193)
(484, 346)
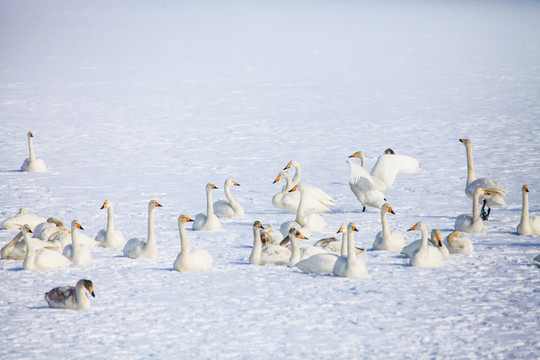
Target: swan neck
(384, 222)
(184, 243)
(74, 237)
(151, 235)
(475, 209)
(525, 208)
(82, 298)
(295, 252)
(110, 220)
(209, 204)
(32, 156)
(351, 255)
(344, 243)
(288, 184)
(363, 160)
(300, 209)
(256, 251)
(471, 175)
(297, 174)
(424, 241)
(229, 197)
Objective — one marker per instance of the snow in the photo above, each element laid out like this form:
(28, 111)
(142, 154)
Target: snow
(153, 100)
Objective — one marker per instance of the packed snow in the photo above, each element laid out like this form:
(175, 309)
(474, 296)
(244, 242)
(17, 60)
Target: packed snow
(134, 101)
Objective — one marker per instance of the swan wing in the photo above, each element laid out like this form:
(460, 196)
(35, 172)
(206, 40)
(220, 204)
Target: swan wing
(388, 166)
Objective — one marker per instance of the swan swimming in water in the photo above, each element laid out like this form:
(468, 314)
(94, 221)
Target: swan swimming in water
(110, 237)
(208, 222)
(190, 259)
(140, 247)
(529, 225)
(32, 164)
(228, 208)
(496, 191)
(69, 297)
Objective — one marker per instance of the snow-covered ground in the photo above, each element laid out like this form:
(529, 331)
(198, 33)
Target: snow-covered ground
(132, 101)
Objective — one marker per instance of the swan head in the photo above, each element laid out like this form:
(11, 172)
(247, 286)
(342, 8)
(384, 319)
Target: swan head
(26, 229)
(389, 152)
(341, 229)
(76, 224)
(230, 182)
(465, 142)
(298, 187)
(210, 187)
(452, 236)
(387, 208)
(257, 225)
(359, 154)
(106, 204)
(154, 204)
(30, 134)
(182, 219)
(296, 234)
(418, 226)
(88, 285)
(525, 188)
(436, 237)
(352, 227)
(290, 164)
(55, 221)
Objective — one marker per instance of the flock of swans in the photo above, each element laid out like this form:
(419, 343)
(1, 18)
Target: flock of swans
(48, 244)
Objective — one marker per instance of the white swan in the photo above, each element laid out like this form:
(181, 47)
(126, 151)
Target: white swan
(208, 222)
(271, 254)
(69, 297)
(388, 166)
(33, 164)
(140, 247)
(468, 223)
(45, 229)
(11, 251)
(296, 253)
(527, 225)
(77, 253)
(435, 241)
(438, 244)
(458, 244)
(362, 185)
(350, 266)
(425, 256)
(314, 191)
(386, 239)
(16, 221)
(496, 191)
(324, 263)
(303, 223)
(62, 238)
(288, 201)
(230, 207)
(190, 259)
(42, 259)
(110, 237)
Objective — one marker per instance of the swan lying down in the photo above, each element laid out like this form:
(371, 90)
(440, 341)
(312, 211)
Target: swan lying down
(69, 297)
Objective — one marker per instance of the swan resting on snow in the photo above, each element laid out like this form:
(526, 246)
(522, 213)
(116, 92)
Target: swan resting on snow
(16, 221)
(528, 225)
(474, 223)
(458, 244)
(314, 191)
(32, 164)
(77, 253)
(208, 222)
(351, 265)
(190, 259)
(69, 297)
(138, 247)
(387, 239)
(41, 259)
(228, 208)
(110, 237)
(303, 223)
(425, 256)
(271, 254)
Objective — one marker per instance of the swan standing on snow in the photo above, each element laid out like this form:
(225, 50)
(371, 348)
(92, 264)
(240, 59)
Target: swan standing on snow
(457, 244)
(33, 164)
(527, 225)
(228, 208)
(495, 190)
(16, 221)
(42, 259)
(350, 266)
(314, 191)
(208, 222)
(386, 239)
(69, 297)
(362, 185)
(303, 223)
(138, 247)
(271, 254)
(288, 201)
(110, 237)
(425, 256)
(77, 253)
(190, 259)
(468, 223)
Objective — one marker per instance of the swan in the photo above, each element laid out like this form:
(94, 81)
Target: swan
(495, 190)
(362, 185)
(45, 229)
(288, 201)
(269, 235)
(386, 239)
(42, 259)
(271, 254)
(425, 256)
(468, 223)
(388, 166)
(457, 244)
(350, 265)
(69, 297)
(527, 225)
(77, 253)
(296, 253)
(190, 259)
(16, 221)
(62, 238)
(33, 164)
(138, 247)
(324, 263)
(435, 241)
(438, 244)
(11, 251)
(208, 222)
(230, 207)
(303, 223)
(314, 191)
(305, 251)
(110, 237)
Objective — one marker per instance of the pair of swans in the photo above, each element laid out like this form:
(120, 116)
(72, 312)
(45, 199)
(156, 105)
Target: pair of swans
(387, 239)
(140, 247)
(347, 265)
(23, 217)
(305, 223)
(41, 258)
(458, 244)
(474, 223)
(33, 164)
(529, 225)
(424, 255)
(314, 191)
(189, 259)
(496, 191)
(228, 208)
(289, 201)
(208, 221)
(69, 297)
(110, 237)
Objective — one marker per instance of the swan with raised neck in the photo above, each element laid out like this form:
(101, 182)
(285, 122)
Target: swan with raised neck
(208, 221)
(138, 247)
(190, 259)
(528, 225)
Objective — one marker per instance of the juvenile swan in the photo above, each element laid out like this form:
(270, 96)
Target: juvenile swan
(138, 247)
(190, 259)
(69, 297)
(32, 164)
